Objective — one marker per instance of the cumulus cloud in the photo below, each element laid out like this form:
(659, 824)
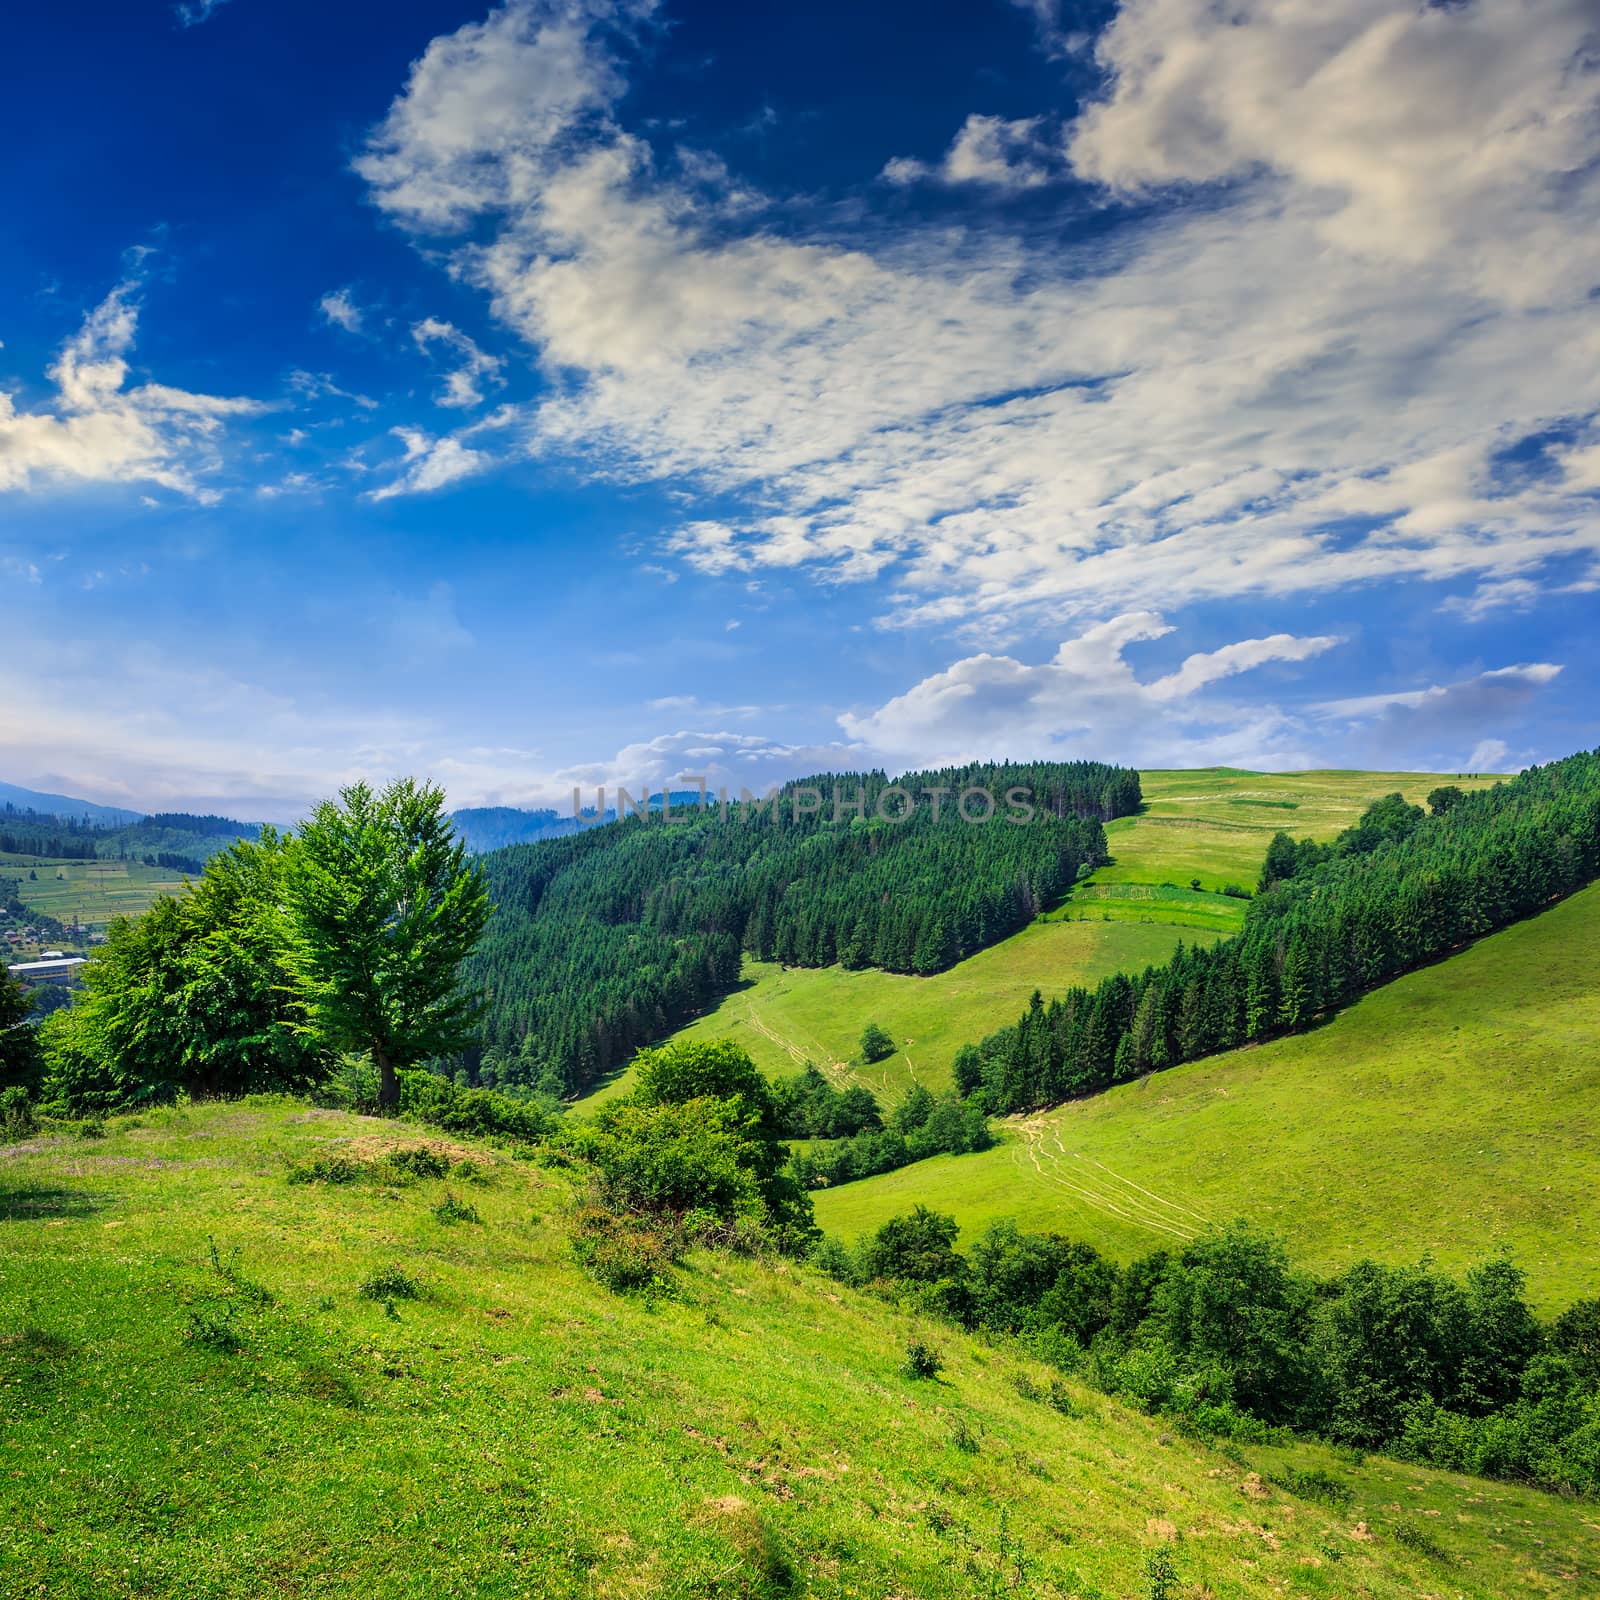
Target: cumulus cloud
(339, 310)
(1425, 128)
(988, 151)
(99, 429)
(1089, 699)
(464, 384)
(1301, 380)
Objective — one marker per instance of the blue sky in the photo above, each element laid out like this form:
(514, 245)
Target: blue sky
(555, 394)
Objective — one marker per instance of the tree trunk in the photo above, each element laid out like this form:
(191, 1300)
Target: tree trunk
(388, 1084)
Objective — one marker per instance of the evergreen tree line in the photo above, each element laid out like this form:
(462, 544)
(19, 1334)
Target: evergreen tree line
(1228, 1337)
(1393, 893)
(58, 847)
(606, 939)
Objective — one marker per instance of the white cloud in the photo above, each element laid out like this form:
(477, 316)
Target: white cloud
(989, 151)
(99, 429)
(1506, 685)
(1488, 756)
(463, 386)
(1087, 700)
(430, 463)
(339, 309)
(1427, 128)
(1302, 380)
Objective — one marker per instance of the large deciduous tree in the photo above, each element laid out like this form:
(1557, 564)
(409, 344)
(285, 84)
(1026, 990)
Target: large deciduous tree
(382, 905)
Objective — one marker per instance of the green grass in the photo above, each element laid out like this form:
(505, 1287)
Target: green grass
(787, 1016)
(180, 1424)
(1215, 823)
(90, 892)
(1454, 1110)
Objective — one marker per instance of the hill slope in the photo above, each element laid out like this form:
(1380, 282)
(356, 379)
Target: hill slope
(1213, 825)
(521, 1432)
(1454, 1109)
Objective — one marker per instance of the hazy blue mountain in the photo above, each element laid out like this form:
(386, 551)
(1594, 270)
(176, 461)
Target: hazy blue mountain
(66, 806)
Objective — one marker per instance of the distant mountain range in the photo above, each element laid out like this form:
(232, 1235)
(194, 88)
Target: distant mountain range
(66, 806)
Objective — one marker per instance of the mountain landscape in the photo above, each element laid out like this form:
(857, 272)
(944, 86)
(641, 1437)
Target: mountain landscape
(801, 802)
(890, 1398)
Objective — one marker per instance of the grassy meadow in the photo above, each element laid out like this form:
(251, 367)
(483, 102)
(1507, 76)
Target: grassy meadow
(1453, 1111)
(787, 1016)
(1212, 825)
(199, 1402)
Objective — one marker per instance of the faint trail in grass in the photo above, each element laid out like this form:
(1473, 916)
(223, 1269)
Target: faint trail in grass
(1114, 1202)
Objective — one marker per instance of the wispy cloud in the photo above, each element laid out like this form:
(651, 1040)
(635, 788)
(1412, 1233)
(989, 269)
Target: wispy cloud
(190, 13)
(464, 384)
(1298, 379)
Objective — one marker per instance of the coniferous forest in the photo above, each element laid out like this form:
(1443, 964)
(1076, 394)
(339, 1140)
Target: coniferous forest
(1398, 890)
(607, 939)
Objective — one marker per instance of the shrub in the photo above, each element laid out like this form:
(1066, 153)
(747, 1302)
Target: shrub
(390, 1283)
(922, 1361)
(450, 1210)
(962, 1437)
(213, 1330)
(623, 1253)
(329, 1169)
(476, 1113)
(1311, 1483)
(418, 1161)
(17, 1119)
(1160, 1576)
(1414, 1538)
(674, 1158)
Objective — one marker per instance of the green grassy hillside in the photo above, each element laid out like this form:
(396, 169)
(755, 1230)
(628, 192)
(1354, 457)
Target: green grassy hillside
(520, 1432)
(1455, 1109)
(1212, 825)
(787, 1016)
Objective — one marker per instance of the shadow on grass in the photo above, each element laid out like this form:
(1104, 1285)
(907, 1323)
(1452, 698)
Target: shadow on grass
(42, 1203)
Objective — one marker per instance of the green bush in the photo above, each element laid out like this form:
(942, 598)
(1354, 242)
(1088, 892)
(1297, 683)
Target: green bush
(390, 1283)
(17, 1119)
(876, 1044)
(474, 1113)
(450, 1210)
(330, 1169)
(922, 1361)
(418, 1161)
(625, 1254)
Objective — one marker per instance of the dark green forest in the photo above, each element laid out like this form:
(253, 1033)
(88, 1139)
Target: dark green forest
(1396, 891)
(607, 939)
